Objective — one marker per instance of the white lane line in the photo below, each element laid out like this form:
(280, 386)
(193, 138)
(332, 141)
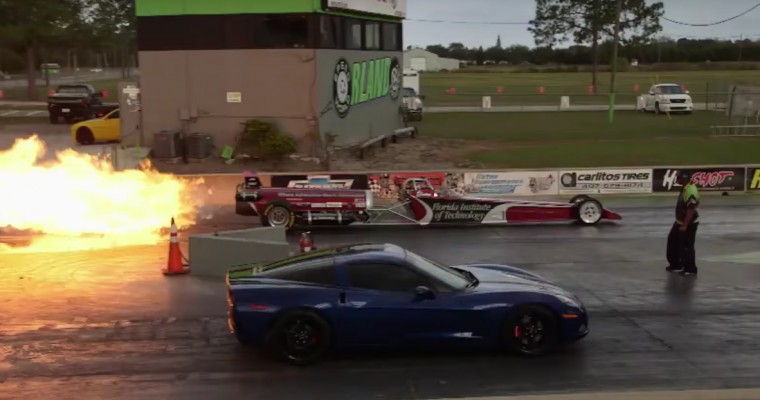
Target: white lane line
(35, 113)
(7, 113)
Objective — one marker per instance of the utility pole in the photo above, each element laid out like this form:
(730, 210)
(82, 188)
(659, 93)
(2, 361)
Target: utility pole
(741, 46)
(616, 44)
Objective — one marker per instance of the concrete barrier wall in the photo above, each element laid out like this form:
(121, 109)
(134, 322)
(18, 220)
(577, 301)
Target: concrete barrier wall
(211, 255)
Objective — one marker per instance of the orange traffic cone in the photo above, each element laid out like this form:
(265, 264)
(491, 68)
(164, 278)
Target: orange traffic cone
(306, 244)
(174, 265)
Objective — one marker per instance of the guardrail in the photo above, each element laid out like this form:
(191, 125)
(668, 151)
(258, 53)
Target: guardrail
(705, 100)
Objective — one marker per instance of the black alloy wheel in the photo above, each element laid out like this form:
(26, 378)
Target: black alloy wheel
(85, 136)
(531, 331)
(301, 337)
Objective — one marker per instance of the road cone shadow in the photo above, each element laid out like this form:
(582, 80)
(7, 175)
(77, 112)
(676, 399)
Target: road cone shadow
(174, 265)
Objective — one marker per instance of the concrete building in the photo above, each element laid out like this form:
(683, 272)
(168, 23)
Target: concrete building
(422, 60)
(332, 66)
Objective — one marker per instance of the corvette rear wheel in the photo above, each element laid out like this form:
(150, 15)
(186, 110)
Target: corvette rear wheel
(301, 337)
(531, 331)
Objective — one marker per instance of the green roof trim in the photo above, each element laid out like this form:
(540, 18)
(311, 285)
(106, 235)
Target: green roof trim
(153, 8)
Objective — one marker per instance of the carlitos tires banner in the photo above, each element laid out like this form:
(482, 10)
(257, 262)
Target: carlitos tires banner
(605, 181)
(753, 179)
(706, 179)
(528, 183)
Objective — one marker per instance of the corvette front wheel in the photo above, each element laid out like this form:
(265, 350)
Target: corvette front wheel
(530, 331)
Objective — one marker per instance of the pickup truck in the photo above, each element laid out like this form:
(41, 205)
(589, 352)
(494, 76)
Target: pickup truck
(412, 104)
(77, 102)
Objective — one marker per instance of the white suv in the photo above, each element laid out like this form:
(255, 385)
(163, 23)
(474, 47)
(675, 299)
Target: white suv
(668, 98)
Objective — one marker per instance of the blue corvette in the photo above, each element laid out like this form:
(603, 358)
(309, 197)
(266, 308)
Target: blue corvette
(381, 295)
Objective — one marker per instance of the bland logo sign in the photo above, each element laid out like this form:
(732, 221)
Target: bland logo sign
(365, 81)
(605, 181)
(707, 179)
(394, 8)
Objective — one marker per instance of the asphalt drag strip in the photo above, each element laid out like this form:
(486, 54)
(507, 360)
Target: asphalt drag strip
(97, 324)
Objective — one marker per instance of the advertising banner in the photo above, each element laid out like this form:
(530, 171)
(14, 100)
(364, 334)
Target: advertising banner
(393, 8)
(706, 179)
(333, 181)
(606, 181)
(387, 186)
(753, 178)
(527, 183)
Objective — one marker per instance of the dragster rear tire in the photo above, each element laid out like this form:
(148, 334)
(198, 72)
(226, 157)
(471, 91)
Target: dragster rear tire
(275, 211)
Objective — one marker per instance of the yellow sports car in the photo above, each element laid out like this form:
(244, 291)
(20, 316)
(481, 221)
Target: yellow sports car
(105, 129)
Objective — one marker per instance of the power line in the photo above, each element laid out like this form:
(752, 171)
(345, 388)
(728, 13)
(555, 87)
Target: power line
(442, 21)
(714, 23)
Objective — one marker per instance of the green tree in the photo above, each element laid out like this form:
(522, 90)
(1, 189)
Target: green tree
(34, 25)
(459, 51)
(593, 21)
(438, 50)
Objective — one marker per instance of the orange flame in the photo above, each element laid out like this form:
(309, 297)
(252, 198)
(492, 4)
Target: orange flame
(78, 201)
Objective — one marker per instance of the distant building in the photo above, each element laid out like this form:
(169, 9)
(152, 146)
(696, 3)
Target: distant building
(422, 60)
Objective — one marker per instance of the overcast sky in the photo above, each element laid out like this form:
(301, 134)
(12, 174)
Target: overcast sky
(691, 11)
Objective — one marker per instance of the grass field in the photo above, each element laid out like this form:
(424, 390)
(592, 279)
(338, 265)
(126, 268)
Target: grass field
(523, 88)
(586, 139)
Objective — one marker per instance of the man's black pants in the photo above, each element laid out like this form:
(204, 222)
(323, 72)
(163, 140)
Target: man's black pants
(681, 253)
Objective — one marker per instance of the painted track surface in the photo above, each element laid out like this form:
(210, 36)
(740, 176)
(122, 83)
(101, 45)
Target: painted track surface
(106, 324)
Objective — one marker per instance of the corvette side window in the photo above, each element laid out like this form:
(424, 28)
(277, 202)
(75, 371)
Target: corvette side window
(385, 277)
(320, 271)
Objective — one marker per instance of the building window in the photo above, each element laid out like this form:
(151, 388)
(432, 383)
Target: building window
(353, 31)
(330, 33)
(371, 35)
(391, 36)
(385, 277)
(282, 31)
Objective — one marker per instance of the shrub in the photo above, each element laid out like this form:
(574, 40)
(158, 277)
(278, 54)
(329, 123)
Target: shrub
(265, 141)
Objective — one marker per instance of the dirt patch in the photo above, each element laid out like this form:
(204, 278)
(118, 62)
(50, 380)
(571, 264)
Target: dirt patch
(410, 154)
(420, 154)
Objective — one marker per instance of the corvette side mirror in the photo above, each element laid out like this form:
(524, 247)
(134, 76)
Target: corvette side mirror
(651, 93)
(424, 293)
